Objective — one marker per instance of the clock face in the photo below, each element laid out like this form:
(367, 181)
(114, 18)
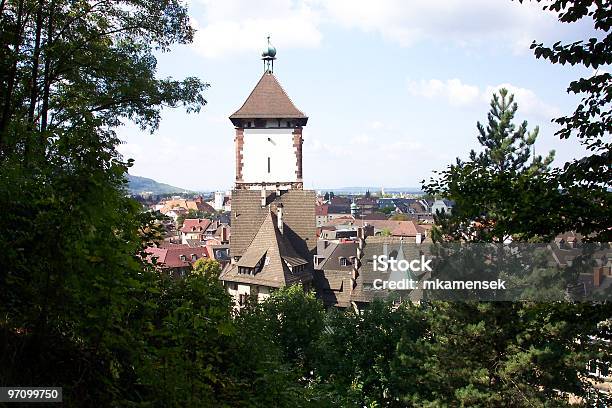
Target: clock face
(269, 156)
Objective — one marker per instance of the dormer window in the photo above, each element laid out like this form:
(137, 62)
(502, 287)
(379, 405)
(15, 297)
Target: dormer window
(194, 257)
(183, 258)
(344, 261)
(245, 271)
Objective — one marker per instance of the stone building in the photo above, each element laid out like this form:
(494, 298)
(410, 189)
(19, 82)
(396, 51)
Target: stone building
(273, 218)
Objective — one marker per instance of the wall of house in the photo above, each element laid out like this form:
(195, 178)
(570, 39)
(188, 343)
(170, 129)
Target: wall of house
(237, 289)
(263, 292)
(191, 235)
(276, 144)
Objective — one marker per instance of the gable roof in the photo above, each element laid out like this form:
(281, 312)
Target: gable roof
(298, 216)
(268, 100)
(340, 250)
(279, 255)
(195, 225)
(172, 256)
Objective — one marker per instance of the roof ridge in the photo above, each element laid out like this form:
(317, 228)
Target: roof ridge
(256, 232)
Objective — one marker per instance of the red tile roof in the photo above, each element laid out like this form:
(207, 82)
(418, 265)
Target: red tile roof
(170, 257)
(268, 100)
(195, 225)
(397, 228)
(321, 209)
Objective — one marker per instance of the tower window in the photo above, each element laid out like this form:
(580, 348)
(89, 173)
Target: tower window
(268, 165)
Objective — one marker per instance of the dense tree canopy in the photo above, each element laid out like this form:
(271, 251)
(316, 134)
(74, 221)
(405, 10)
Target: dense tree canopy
(80, 309)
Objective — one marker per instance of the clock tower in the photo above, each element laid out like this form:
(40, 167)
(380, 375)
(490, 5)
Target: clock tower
(268, 137)
(273, 218)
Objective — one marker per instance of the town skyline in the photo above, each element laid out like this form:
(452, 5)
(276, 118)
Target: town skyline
(395, 102)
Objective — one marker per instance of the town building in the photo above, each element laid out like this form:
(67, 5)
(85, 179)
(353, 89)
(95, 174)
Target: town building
(175, 260)
(442, 206)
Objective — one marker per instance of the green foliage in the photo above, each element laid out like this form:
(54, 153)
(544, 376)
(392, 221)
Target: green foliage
(294, 319)
(385, 232)
(74, 289)
(496, 191)
(586, 181)
(207, 267)
(358, 363)
(513, 354)
(386, 210)
(138, 185)
(191, 214)
(399, 217)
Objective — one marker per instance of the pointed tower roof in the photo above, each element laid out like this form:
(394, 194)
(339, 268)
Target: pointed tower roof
(268, 100)
(273, 252)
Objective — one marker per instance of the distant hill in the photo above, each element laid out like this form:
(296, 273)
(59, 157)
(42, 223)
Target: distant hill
(138, 185)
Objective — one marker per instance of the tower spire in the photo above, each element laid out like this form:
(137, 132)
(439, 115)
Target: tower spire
(268, 57)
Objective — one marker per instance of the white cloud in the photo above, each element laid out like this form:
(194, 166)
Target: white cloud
(458, 93)
(453, 90)
(461, 21)
(528, 101)
(237, 26)
(361, 139)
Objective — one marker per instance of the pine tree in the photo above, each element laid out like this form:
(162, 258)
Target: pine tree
(497, 189)
(506, 146)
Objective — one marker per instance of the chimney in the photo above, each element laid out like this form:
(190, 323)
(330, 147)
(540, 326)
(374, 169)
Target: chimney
(263, 196)
(279, 216)
(419, 238)
(597, 272)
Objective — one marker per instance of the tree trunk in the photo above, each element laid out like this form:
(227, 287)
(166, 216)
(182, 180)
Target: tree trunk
(35, 63)
(47, 73)
(10, 85)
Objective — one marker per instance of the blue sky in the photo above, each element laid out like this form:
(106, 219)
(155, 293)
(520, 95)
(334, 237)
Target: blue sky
(393, 89)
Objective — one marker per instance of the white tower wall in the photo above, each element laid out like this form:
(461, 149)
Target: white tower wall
(269, 156)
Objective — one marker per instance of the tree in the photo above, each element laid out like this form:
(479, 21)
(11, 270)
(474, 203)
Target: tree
(531, 353)
(373, 358)
(496, 190)
(400, 217)
(586, 181)
(74, 287)
(191, 214)
(386, 210)
(208, 267)
(294, 318)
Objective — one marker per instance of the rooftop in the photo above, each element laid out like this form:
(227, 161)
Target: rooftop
(268, 100)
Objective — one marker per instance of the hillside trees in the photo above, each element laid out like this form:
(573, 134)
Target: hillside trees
(72, 281)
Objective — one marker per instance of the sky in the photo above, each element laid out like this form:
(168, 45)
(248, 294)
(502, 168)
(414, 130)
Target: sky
(393, 89)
